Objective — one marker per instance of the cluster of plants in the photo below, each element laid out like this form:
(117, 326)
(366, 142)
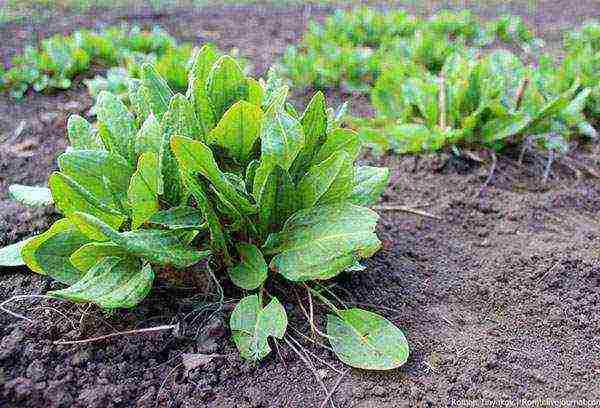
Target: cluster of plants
(59, 59)
(351, 48)
(228, 177)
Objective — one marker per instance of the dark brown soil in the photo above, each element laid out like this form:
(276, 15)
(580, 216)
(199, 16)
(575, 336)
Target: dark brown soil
(500, 299)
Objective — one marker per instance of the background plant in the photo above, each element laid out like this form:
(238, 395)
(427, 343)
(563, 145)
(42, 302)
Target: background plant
(228, 175)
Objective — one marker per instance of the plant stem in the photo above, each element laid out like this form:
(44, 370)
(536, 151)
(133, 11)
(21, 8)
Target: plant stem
(442, 102)
(174, 327)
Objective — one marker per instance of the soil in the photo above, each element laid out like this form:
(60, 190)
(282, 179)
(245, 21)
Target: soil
(499, 299)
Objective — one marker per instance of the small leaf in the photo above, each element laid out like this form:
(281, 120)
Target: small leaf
(112, 283)
(119, 124)
(226, 85)
(366, 340)
(138, 100)
(251, 272)
(69, 196)
(181, 119)
(256, 92)
(252, 325)
(10, 255)
(197, 93)
(144, 189)
(282, 138)
(328, 182)
(238, 130)
(49, 253)
(314, 125)
(195, 157)
(320, 242)
(31, 196)
(81, 134)
(178, 218)
(369, 185)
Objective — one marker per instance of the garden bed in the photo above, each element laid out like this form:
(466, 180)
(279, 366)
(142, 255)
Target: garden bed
(499, 298)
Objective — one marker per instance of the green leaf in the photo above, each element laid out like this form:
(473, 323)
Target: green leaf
(252, 325)
(238, 130)
(119, 124)
(112, 283)
(328, 182)
(155, 91)
(256, 92)
(320, 242)
(105, 175)
(149, 137)
(144, 189)
(90, 254)
(314, 126)
(339, 139)
(69, 196)
(251, 272)
(277, 200)
(197, 93)
(138, 100)
(282, 138)
(31, 196)
(226, 85)
(180, 119)
(10, 255)
(81, 134)
(162, 247)
(178, 218)
(195, 157)
(369, 185)
(366, 340)
(49, 253)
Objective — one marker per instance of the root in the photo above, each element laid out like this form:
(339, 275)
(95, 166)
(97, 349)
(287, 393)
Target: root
(174, 327)
(490, 175)
(406, 210)
(335, 386)
(548, 167)
(22, 297)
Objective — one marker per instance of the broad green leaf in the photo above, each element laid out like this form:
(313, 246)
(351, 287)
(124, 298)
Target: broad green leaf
(48, 253)
(238, 130)
(112, 283)
(144, 189)
(69, 196)
(366, 340)
(251, 272)
(339, 139)
(256, 92)
(138, 100)
(163, 247)
(149, 137)
(105, 175)
(90, 254)
(81, 134)
(180, 119)
(314, 126)
(197, 93)
(178, 218)
(155, 91)
(275, 102)
(195, 157)
(31, 196)
(369, 185)
(10, 255)
(320, 242)
(277, 199)
(282, 138)
(328, 182)
(119, 124)
(226, 84)
(251, 325)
